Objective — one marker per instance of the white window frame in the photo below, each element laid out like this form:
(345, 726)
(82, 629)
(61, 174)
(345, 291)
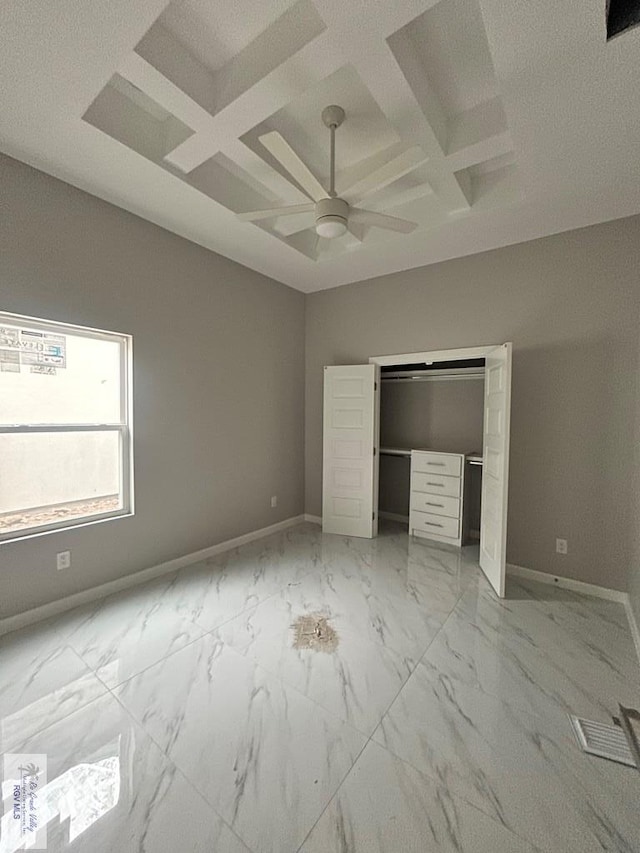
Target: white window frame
(124, 427)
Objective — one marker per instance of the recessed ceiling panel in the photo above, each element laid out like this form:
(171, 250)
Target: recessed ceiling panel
(214, 34)
(452, 45)
(224, 76)
(129, 115)
(445, 57)
(366, 130)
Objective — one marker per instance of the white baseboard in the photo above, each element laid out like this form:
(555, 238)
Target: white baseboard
(568, 583)
(586, 589)
(54, 608)
(394, 516)
(314, 519)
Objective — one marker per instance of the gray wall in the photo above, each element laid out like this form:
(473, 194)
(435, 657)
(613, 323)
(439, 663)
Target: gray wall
(218, 378)
(444, 416)
(634, 566)
(570, 305)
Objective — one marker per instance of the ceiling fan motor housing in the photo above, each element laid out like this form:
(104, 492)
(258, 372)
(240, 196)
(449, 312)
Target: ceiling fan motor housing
(333, 116)
(331, 217)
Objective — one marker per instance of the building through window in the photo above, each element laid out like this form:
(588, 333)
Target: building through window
(65, 426)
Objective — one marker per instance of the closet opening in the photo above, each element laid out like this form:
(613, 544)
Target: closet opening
(445, 428)
(432, 408)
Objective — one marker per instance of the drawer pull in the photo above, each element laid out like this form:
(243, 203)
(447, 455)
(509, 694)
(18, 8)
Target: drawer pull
(433, 524)
(430, 503)
(437, 464)
(441, 485)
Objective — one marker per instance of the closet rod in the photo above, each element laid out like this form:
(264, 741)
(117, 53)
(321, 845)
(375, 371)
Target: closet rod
(438, 378)
(396, 451)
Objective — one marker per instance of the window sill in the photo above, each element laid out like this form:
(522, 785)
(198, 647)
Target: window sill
(20, 536)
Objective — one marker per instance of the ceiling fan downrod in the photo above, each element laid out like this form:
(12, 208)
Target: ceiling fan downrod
(333, 117)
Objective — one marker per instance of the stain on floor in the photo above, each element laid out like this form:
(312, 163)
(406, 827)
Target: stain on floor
(313, 631)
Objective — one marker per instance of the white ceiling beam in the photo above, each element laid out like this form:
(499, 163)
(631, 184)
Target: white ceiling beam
(383, 77)
(210, 135)
(254, 105)
(146, 77)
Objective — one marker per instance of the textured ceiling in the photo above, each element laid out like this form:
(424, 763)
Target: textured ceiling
(520, 119)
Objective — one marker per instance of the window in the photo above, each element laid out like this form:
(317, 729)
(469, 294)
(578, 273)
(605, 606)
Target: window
(65, 426)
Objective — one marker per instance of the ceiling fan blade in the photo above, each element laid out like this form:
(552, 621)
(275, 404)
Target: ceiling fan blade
(391, 171)
(381, 220)
(356, 230)
(289, 210)
(287, 157)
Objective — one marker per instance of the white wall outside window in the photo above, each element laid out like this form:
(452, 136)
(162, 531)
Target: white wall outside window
(65, 425)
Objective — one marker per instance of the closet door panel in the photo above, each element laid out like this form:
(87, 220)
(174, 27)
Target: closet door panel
(349, 482)
(495, 474)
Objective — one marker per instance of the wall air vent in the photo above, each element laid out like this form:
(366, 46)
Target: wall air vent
(622, 15)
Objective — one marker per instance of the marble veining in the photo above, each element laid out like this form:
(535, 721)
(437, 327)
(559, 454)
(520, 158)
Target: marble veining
(385, 806)
(121, 635)
(264, 756)
(41, 681)
(356, 681)
(513, 650)
(180, 715)
(110, 788)
(524, 771)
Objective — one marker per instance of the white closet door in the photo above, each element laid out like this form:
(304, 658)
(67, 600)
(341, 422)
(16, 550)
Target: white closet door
(350, 462)
(495, 468)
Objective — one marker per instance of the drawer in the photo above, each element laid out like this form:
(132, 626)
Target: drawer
(437, 463)
(436, 484)
(436, 504)
(426, 522)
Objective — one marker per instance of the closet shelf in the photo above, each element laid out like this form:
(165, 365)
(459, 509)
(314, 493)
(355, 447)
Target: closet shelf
(471, 458)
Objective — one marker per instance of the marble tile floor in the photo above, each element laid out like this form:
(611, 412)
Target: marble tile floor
(181, 715)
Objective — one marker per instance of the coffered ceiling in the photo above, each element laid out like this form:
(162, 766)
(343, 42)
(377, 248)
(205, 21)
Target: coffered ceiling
(517, 119)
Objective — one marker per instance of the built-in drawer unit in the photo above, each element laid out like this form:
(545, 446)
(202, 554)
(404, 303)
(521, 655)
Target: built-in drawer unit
(435, 484)
(436, 504)
(434, 525)
(435, 507)
(449, 464)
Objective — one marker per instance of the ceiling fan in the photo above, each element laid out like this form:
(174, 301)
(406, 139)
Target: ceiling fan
(335, 215)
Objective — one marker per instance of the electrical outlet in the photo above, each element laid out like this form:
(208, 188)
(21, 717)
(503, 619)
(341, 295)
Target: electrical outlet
(561, 546)
(63, 560)
(274, 501)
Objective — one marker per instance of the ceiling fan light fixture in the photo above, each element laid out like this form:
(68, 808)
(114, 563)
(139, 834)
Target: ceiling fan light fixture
(331, 226)
(331, 217)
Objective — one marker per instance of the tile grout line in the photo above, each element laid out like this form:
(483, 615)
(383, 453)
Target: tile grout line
(109, 693)
(66, 644)
(476, 687)
(192, 784)
(565, 631)
(193, 622)
(174, 765)
(370, 738)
